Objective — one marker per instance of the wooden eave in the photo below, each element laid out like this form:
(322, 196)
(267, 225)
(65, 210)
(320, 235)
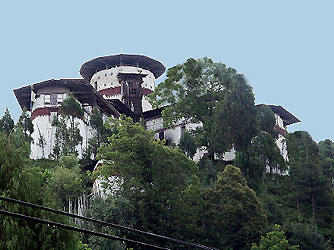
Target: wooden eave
(82, 91)
(89, 68)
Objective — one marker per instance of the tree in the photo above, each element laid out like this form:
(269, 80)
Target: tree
(235, 119)
(21, 132)
(274, 240)
(312, 194)
(326, 148)
(67, 138)
(208, 93)
(25, 124)
(100, 136)
(187, 144)
(266, 119)
(6, 122)
(41, 142)
(22, 180)
(113, 209)
(159, 181)
(233, 215)
(65, 181)
(305, 235)
(326, 151)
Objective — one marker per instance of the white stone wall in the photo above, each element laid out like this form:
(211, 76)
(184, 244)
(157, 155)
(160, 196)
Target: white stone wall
(281, 142)
(279, 121)
(107, 78)
(42, 124)
(174, 135)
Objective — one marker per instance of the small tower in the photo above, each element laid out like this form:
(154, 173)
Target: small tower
(128, 78)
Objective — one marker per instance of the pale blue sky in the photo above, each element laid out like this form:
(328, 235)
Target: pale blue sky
(285, 48)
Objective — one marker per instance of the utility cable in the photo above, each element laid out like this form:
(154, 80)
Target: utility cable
(105, 223)
(77, 229)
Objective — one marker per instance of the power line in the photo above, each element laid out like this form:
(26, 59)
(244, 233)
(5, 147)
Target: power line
(77, 229)
(105, 223)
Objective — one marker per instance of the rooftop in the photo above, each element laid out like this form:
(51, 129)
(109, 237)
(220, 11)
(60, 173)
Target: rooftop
(83, 92)
(89, 68)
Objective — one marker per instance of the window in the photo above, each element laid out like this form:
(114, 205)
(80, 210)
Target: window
(59, 98)
(53, 99)
(132, 88)
(46, 98)
(161, 136)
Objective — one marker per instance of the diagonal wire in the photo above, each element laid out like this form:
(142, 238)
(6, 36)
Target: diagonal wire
(77, 229)
(105, 223)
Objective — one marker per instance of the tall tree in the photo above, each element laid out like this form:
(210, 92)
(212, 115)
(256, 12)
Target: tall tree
(326, 150)
(312, 193)
(67, 136)
(233, 217)
(208, 93)
(187, 143)
(100, 133)
(306, 235)
(65, 181)
(22, 180)
(159, 181)
(113, 209)
(6, 122)
(235, 119)
(25, 124)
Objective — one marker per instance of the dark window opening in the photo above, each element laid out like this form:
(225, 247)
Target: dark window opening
(53, 99)
(161, 136)
(132, 88)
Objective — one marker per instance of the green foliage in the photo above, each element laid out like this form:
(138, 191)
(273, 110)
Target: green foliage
(65, 181)
(71, 107)
(159, 181)
(67, 136)
(187, 144)
(6, 122)
(309, 189)
(22, 180)
(208, 171)
(233, 215)
(260, 159)
(274, 240)
(113, 209)
(266, 119)
(100, 136)
(326, 148)
(235, 121)
(305, 235)
(25, 125)
(216, 97)
(42, 143)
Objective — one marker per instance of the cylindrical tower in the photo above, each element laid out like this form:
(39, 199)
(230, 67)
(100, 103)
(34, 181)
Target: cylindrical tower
(128, 78)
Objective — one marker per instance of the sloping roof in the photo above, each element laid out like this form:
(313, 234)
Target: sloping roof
(83, 92)
(121, 107)
(286, 116)
(153, 113)
(89, 68)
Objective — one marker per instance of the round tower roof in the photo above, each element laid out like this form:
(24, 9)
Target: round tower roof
(89, 68)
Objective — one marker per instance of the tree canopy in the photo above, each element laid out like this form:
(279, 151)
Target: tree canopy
(212, 95)
(234, 217)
